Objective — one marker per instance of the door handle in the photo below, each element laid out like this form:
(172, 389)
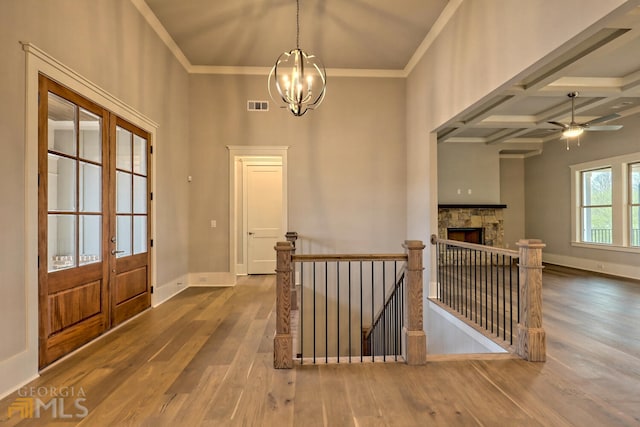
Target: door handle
(113, 252)
(251, 233)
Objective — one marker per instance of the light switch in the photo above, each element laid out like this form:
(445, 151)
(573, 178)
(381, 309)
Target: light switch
(213, 223)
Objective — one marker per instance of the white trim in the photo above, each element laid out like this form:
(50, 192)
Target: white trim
(24, 366)
(55, 69)
(619, 166)
(239, 151)
(465, 330)
(264, 71)
(153, 21)
(605, 247)
(622, 270)
(170, 289)
(444, 18)
(17, 371)
(162, 33)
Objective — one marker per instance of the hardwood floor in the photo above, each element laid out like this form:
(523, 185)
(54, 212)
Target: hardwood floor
(205, 358)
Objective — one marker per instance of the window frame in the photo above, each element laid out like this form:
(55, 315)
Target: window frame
(620, 202)
(631, 205)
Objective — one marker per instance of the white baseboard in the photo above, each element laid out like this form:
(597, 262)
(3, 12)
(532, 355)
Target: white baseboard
(18, 371)
(212, 279)
(166, 291)
(622, 270)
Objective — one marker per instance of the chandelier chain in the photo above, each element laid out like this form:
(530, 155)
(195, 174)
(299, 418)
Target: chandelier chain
(297, 24)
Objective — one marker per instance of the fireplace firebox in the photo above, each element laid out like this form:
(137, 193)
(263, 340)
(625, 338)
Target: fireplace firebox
(466, 234)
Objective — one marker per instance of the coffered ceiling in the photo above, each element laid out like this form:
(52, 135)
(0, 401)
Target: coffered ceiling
(382, 35)
(604, 70)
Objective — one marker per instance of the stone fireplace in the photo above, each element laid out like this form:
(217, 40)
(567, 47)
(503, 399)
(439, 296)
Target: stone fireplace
(483, 223)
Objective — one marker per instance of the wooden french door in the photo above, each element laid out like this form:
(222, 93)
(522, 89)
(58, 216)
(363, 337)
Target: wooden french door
(93, 220)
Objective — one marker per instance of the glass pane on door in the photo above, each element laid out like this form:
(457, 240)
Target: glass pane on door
(61, 123)
(62, 242)
(90, 191)
(90, 239)
(123, 149)
(123, 235)
(123, 192)
(90, 137)
(139, 234)
(139, 194)
(62, 183)
(139, 155)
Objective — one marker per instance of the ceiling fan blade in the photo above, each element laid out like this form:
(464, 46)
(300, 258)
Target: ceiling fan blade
(603, 127)
(602, 119)
(562, 125)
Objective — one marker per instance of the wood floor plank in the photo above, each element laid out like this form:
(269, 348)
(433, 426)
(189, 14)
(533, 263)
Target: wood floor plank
(205, 358)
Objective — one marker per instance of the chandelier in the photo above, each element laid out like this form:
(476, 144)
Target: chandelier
(298, 80)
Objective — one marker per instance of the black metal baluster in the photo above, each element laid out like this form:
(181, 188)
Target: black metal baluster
(504, 301)
(326, 312)
(372, 335)
(511, 300)
(338, 309)
(384, 314)
(361, 311)
(314, 313)
(350, 331)
(301, 312)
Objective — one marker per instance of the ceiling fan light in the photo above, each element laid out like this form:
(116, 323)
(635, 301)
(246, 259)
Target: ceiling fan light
(572, 131)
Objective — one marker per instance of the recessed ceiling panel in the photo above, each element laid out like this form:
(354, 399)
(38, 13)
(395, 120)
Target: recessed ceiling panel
(372, 34)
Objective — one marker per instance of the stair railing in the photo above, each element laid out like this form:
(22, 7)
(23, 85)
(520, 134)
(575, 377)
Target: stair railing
(354, 278)
(494, 289)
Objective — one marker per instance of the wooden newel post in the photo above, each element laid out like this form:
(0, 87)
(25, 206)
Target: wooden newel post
(283, 341)
(532, 343)
(292, 236)
(415, 338)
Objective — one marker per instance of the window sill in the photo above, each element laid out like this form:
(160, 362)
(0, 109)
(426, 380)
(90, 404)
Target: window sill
(614, 248)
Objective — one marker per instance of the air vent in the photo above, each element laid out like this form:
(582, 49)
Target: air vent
(257, 105)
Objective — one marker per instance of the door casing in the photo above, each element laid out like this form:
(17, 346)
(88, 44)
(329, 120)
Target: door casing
(238, 154)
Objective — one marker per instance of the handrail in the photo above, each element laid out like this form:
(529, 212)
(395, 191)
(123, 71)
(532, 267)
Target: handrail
(413, 348)
(484, 248)
(348, 257)
(471, 287)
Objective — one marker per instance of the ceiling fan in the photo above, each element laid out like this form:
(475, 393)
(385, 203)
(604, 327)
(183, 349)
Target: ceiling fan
(574, 129)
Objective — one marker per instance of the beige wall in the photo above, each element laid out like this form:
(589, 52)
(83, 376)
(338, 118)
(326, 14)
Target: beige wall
(346, 176)
(548, 190)
(473, 168)
(485, 46)
(109, 43)
(512, 195)
(362, 168)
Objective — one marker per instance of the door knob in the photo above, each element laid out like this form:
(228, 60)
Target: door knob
(113, 252)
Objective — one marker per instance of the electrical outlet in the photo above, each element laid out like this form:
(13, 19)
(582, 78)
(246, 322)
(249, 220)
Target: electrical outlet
(202, 279)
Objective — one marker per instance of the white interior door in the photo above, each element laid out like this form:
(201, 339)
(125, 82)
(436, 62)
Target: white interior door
(264, 216)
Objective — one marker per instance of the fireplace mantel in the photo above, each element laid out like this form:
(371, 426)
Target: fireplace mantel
(471, 206)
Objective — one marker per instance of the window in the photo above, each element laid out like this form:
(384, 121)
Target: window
(606, 203)
(634, 206)
(597, 212)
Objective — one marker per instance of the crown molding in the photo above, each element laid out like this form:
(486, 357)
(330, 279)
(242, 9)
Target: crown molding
(166, 38)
